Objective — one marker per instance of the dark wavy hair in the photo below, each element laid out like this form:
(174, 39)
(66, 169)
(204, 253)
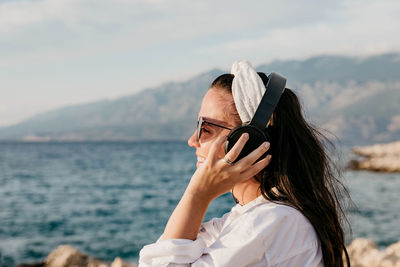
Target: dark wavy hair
(304, 175)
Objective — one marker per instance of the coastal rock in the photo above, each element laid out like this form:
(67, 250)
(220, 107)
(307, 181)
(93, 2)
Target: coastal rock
(379, 158)
(69, 256)
(364, 253)
(378, 150)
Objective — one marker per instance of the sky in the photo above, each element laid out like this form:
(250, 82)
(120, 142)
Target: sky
(56, 53)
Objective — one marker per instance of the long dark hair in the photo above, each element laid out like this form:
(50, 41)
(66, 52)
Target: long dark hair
(302, 173)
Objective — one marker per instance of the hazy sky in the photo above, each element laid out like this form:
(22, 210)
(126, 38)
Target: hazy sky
(61, 52)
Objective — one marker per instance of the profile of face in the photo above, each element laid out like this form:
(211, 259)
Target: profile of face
(216, 108)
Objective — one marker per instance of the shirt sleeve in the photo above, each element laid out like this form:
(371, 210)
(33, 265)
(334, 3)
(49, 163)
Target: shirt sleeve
(181, 252)
(171, 252)
(209, 231)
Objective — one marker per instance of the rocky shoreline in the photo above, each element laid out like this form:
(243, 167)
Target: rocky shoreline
(69, 256)
(378, 158)
(363, 253)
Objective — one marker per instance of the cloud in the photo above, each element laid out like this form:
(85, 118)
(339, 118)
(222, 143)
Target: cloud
(362, 28)
(63, 29)
(53, 29)
(57, 52)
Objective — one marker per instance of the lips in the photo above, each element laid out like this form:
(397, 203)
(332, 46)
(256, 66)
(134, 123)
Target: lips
(200, 160)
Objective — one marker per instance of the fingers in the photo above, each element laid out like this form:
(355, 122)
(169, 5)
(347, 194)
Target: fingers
(212, 154)
(245, 162)
(237, 148)
(257, 167)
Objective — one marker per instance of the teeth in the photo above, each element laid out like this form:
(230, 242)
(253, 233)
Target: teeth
(200, 159)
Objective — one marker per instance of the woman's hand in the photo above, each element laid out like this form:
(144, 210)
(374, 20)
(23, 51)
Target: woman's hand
(212, 179)
(216, 176)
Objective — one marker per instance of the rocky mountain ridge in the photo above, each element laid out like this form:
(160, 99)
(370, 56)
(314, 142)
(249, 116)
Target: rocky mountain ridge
(356, 99)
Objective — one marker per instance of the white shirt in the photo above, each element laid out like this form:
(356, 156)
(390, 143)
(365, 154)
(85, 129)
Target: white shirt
(260, 233)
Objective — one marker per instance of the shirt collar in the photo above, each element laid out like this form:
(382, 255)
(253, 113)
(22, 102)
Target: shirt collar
(241, 209)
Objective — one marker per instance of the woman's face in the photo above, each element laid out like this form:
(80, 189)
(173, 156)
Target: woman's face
(216, 108)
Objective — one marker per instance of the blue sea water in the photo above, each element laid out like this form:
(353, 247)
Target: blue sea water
(111, 199)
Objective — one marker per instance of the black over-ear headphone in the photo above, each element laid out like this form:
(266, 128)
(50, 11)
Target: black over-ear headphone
(257, 127)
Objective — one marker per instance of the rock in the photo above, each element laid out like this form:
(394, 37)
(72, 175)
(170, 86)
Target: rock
(379, 158)
(383, 164)
(118, 262)
(378, 150)
(69, 256)
(364, 253)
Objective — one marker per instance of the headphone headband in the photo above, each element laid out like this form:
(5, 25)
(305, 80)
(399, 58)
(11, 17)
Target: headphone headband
(274, 89)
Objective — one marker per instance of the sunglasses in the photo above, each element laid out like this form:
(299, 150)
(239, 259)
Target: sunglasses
(203, 132)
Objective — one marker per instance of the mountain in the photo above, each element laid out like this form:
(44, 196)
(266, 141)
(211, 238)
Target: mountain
(357, 99)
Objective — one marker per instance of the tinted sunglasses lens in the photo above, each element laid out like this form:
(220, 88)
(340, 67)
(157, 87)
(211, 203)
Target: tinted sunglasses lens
(199, 125)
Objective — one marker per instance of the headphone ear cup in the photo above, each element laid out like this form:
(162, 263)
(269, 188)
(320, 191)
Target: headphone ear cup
(256, 138)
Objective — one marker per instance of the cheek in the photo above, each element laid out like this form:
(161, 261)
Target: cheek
(221, 151)
(205, 148)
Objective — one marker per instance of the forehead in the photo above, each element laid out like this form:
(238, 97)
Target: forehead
(216, 105)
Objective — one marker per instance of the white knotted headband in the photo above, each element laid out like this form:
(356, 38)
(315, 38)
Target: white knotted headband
(247, 89)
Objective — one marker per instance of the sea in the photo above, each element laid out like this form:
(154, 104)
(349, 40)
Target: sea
(109, 199)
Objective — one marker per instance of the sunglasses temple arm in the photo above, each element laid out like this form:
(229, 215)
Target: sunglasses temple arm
(219, 125)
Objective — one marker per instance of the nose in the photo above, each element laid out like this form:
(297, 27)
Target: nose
(192, 141)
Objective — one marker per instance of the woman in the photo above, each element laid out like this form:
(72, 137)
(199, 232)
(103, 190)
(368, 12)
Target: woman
(287, 211)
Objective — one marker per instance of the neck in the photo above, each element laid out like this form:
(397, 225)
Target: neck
(246, 191)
